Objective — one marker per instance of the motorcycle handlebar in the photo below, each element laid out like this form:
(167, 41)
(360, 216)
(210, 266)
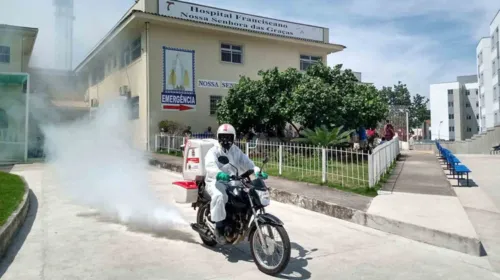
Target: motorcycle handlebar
(245, 175)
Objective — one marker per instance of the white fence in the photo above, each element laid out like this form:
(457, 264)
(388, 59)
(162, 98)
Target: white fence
(346, 168)
(381, 159)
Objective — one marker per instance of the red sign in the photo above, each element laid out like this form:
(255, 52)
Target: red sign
(177, 107)
(193, 160)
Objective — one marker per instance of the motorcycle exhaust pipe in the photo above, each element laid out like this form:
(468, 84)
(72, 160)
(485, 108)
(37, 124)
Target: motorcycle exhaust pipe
(202, 231)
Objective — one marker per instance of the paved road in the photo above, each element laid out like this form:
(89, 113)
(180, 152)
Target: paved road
(65, 241)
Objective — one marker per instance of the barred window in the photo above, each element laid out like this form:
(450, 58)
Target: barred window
(214, 103)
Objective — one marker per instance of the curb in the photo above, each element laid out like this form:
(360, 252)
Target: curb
(14, 222)
(467, 245)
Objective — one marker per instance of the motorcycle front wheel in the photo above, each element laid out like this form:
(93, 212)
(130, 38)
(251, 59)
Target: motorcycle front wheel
(274, 258)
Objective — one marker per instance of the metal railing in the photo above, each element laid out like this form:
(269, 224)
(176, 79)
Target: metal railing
(381, 159)
(343, 167)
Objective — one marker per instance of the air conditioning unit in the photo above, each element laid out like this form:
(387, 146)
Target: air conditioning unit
(94, 103)
(125, 92)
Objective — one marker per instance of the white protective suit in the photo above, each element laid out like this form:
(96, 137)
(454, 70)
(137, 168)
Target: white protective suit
(217, 190)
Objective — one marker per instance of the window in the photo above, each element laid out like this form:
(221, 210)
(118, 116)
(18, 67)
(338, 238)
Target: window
(450, 104)
(477, 103)
(4, 54)
(469, 129)
(214, 103)
(130, 52)
(306, 61)
(451, 128)
(494, 69)
(231, 53)
(451, 116)
(477, 116)
(469, 117)
(467, 92)
(467, 105)
(135, 49)
(125, 57)
(477, 91)
(450, 91)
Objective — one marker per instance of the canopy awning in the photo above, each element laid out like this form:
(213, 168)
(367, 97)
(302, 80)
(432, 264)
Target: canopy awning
(13, 79)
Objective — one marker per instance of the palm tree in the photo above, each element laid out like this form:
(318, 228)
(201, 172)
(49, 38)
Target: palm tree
(322, 136)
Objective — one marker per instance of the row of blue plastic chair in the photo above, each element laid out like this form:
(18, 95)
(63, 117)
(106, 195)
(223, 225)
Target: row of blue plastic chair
(453, 163)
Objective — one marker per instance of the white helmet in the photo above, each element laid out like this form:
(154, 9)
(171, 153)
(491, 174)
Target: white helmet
(226, 134)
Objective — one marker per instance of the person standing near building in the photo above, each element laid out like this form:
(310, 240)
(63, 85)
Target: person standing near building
(187, 132)
(363, 138)
(388, 131)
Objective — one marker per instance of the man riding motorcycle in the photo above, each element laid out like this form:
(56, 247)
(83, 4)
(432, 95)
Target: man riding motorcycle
(218, 175)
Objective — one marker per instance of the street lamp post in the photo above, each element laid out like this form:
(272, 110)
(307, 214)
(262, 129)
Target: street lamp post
(439, 130)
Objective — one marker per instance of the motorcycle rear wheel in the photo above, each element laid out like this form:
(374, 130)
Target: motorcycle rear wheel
(286, 249)
(201, 218)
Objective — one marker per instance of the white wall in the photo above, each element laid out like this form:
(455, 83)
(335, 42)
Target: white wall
(486, 89)
(439, 109)
(494, 35)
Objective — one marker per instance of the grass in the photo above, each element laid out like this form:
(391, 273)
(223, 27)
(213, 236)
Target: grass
(11, 194)
(172, 153)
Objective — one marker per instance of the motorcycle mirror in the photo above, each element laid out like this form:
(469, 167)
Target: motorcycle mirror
(266, 160)
(223, 159)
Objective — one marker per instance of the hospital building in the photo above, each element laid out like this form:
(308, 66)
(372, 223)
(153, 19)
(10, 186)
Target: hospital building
(176, 60)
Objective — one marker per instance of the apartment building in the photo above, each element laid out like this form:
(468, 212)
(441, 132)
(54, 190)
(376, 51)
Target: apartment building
(461, 118)
(488, 67)
(176, 60)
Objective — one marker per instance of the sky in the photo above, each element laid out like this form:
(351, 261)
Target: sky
(415, 42)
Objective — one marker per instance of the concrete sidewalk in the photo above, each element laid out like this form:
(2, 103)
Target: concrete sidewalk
(409, 179)
(481, 201)
(430, 218)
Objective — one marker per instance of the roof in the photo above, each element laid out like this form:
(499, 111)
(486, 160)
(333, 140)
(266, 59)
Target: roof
(498, 12)
(138, 13)
(29, 35)
(19, 28)
(13, 79)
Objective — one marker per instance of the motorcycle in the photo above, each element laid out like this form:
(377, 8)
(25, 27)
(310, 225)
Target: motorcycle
(246, 217)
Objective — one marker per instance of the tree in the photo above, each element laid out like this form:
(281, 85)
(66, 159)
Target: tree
(325, 137)
(400, 96)
(260, 103)
(314, 103)
(320, 96)
(364, 107)
(418, 111)
(244, 106)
